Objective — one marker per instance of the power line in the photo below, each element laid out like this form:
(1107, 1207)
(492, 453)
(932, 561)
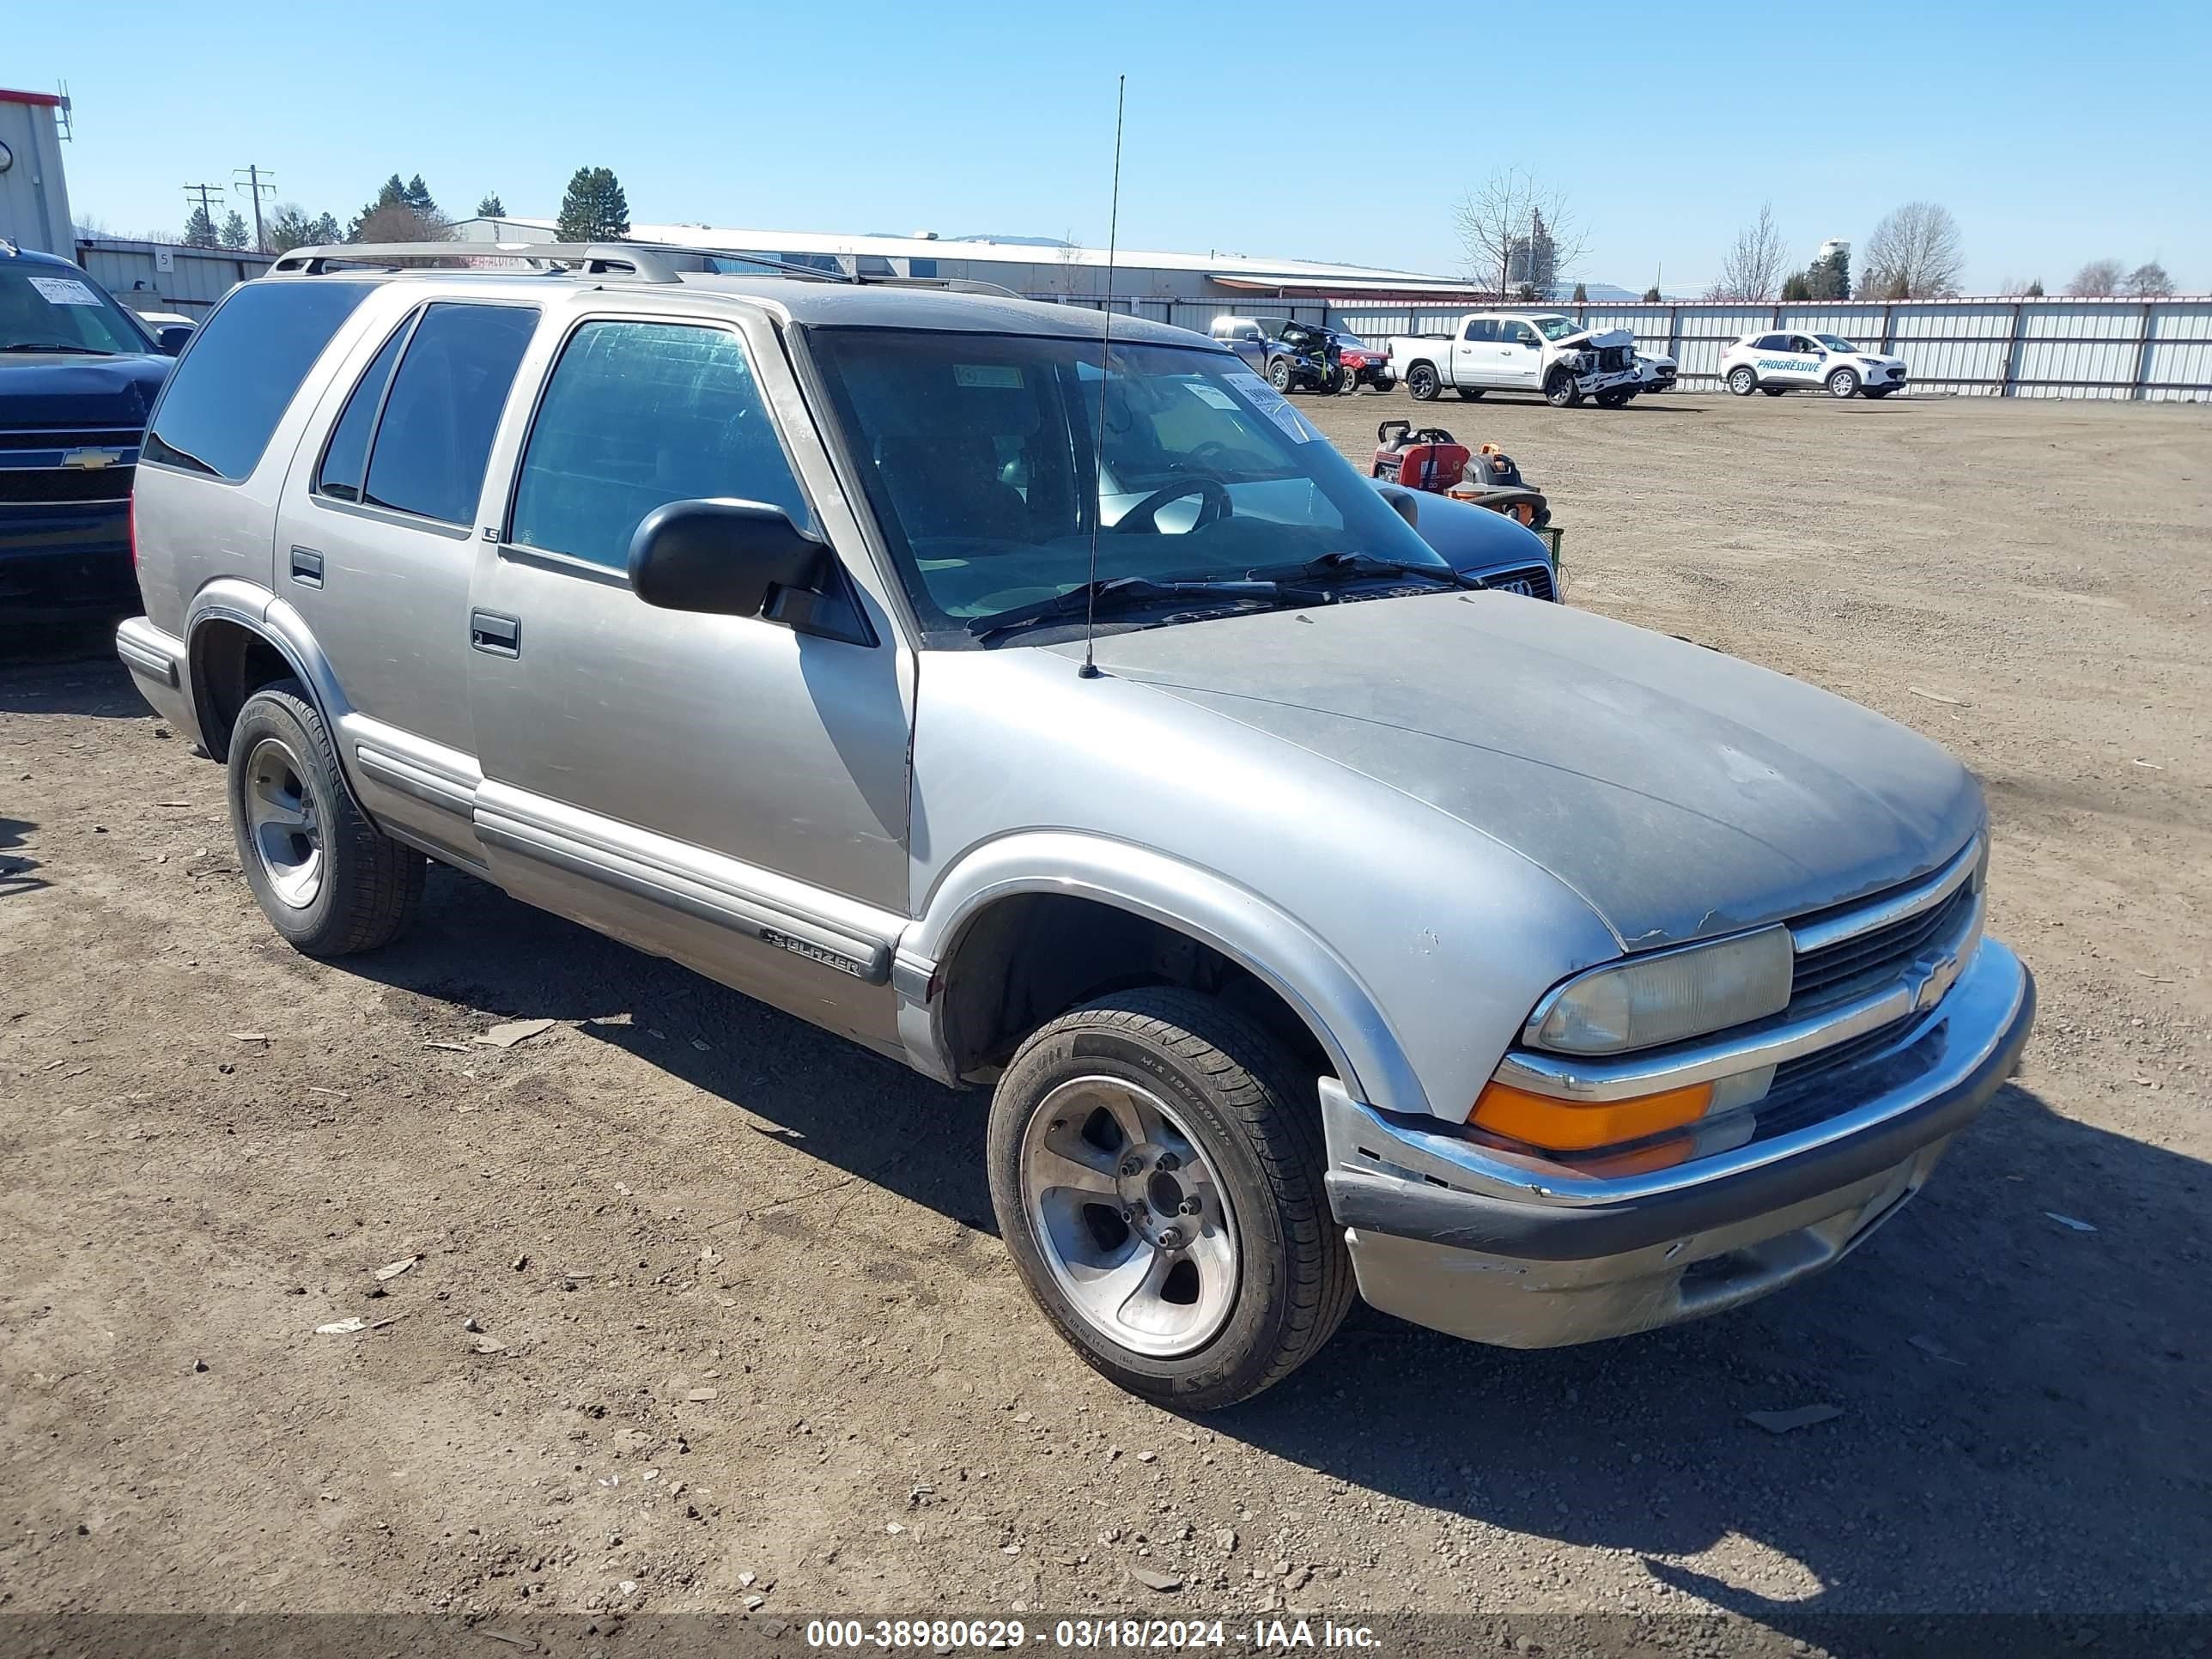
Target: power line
(257, 181)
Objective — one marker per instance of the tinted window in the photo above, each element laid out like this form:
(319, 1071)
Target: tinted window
(59, 309)
(436, 431)
(1518, 334)
(237, 378)
(637, 415)
(346, 457)
(1483, 328)
(1771, 342)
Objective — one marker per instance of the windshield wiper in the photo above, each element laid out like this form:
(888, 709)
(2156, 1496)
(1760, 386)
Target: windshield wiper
(55, 345)
(1351, 566)
(1115, 593)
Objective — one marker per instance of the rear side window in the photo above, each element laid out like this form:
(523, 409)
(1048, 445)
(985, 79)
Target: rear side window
(637, 415)
(345, 460)
(427, 455)
(1482, 328)
(236, 382)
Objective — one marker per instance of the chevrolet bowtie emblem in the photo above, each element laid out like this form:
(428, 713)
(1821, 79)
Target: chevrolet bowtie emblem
(91, 460)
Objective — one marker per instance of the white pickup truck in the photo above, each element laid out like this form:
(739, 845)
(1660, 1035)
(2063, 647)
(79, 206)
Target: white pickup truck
(1520, 351)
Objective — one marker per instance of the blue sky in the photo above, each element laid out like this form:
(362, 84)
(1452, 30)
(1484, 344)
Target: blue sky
(2055, 134)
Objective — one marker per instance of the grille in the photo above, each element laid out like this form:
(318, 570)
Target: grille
(1836, 971)
(24, 486)
(1534, 580)
(119, 437)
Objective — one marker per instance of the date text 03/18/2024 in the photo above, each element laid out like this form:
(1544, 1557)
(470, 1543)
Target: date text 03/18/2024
(1087, 1634)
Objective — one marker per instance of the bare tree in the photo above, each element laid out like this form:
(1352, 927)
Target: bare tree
(1518, 233)
(1753, 264)
(1915, 253)
(1069, 280)
(2097, 280)
(2148, 281)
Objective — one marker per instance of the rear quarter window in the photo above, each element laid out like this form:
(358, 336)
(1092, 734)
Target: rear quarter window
(238, 375)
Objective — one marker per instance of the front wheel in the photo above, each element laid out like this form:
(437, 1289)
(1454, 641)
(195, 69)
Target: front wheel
(1774, 391)
(1613, 399)
(1156, 1169)
(1877, 391)
(1279, 374)
(1561, 392)
(1843, 383)
(1743, 381)
(1472, 393)
(1421, 382)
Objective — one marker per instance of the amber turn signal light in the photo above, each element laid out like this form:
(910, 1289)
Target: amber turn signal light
(1560, 1126)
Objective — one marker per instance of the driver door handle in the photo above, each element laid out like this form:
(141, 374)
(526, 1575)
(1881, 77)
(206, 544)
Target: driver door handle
(495, 634)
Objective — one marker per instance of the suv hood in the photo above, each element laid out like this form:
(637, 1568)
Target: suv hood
(40, 389)
(1594, 340)
(1680, 792)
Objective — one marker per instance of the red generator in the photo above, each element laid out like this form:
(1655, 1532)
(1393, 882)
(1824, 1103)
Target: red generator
(1427, 460)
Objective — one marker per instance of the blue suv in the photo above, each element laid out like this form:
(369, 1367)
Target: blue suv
(78, 374)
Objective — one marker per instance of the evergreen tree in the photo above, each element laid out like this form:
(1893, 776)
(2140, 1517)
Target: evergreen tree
(594, 210)
(1830, 278)
(1581, 294)
(327, 231)
(417, 195)
(1796, 288)
(199, 229)
(2033, 290)
(235, 232)
(491, 207)
(1651, 295)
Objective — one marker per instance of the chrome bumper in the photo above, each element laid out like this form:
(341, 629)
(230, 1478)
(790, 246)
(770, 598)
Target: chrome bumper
(1470, 1240)
(156, 662)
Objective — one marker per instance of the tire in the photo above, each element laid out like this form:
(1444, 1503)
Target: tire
(329, 882)
(1613, 399)
(1336, 383)
(1422, 383)
(1472, 393)
(1843, 383)
(1280, 376)
(1350, 387)
(1774, 391)
(1877, 392)
(1743, 381)
(1560, 390)
(1200, 1080)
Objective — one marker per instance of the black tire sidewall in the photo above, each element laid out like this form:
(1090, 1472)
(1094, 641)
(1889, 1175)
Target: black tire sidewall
(1422, 383)
(278, 713)
(1239, 1355)
(1850, 384)
(1559, 391)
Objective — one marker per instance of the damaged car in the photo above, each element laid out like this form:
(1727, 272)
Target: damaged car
(1545, 352)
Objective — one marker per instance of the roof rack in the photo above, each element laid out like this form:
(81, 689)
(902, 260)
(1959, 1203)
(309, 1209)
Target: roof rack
(646, 263)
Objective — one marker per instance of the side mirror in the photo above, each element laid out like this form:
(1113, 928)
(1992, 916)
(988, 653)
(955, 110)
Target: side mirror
(721, 556)
(173, 338)
(1404, 503)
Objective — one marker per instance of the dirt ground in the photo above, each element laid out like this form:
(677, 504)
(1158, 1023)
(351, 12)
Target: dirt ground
(757, 1347)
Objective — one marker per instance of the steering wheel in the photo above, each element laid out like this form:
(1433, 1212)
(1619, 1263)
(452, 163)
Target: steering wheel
(1213, 505)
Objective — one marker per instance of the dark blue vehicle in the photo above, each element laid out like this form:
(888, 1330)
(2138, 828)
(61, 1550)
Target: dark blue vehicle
(78, 374)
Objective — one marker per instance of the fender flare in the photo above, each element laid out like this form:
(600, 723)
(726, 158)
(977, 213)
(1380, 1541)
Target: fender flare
(246, 604)
(1269, 943)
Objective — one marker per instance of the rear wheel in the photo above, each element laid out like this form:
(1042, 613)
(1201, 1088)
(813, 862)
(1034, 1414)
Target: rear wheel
(1421, 381)
(328, 879)
(1843, 383)
(1560, 390)
(1472, 393)
(1156, 1168)
(1613, 399)
(1743, 381)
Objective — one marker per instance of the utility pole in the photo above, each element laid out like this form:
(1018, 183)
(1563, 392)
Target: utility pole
(203, 192)
(257, 181)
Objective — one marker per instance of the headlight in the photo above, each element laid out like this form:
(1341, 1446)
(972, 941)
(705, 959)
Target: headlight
(1643, 1003)
(1871, 363)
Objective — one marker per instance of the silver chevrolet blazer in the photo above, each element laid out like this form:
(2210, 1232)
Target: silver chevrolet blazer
(1062, 715)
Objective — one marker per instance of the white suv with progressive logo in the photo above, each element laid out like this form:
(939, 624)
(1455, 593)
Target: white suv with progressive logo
(1783, 360)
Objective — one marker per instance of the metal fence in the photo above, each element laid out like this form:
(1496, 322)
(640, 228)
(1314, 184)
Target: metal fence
(2148, 350)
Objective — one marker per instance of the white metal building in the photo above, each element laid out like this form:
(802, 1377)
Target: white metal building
(34, 210)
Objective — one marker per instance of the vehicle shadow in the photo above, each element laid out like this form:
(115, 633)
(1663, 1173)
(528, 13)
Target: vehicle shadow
(70, 677)
(2020, 1400)
(15, 867)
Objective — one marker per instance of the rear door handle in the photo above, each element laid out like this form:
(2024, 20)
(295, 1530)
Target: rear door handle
(501, 636)
(307, 566)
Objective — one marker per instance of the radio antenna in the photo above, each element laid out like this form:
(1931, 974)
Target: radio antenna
(1089, 669)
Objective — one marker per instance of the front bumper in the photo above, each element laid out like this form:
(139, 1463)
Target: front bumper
(64, 557)
(1609, 380)
(1449, 1234)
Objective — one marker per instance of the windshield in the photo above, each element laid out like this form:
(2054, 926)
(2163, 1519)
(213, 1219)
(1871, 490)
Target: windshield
(1556, 328)
(54, 308)
(978, 451)
(1835, 342)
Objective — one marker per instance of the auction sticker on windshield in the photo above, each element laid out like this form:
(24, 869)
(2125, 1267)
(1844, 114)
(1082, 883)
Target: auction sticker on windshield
(64, 291)
(1272, 403)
